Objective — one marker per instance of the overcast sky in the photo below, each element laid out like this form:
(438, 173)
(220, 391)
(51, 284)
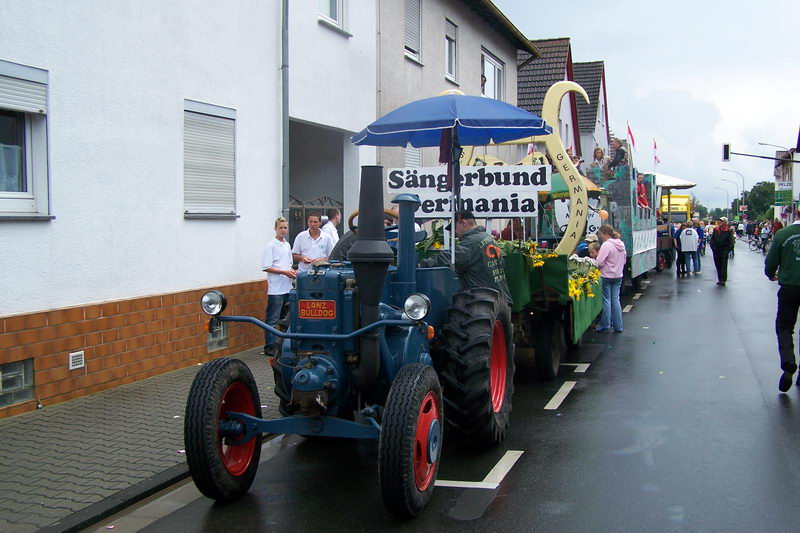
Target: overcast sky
(692, 75)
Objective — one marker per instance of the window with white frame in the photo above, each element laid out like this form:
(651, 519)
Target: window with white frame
(413, 40)
(209, 160)
(332, 11)
(23, 141)
(491, 76)
(450, 50)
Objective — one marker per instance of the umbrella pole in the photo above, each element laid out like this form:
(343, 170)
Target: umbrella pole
(456, 188)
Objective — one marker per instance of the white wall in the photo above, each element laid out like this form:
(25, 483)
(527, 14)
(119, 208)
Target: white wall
(332, 80)
(119, 72)
(599, 136)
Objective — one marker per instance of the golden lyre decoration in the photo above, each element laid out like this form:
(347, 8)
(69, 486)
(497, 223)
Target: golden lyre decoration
(578, 209)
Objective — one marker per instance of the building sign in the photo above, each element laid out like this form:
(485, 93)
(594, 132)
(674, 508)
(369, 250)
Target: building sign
(783, 185)
(494, 191)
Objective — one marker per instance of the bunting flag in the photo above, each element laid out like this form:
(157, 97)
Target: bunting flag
(530, 148)
(656, 160)
(630, 136)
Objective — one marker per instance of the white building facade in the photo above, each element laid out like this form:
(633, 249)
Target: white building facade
(140, 158)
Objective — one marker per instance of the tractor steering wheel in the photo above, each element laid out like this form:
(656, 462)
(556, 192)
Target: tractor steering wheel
(354, 214)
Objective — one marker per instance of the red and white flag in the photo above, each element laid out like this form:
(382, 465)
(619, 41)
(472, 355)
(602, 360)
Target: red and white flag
(630, 136)
(530, 148)
(656, 160)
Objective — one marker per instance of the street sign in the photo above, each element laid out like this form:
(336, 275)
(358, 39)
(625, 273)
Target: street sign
(783, 197)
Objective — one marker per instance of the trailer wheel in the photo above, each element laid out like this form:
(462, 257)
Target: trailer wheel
(410, 442)
(661, 262)
(220, 470)
(636, 282)
(477, 372)
(550, 345)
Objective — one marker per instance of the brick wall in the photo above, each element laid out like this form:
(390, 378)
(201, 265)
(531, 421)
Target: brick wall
(123, 341)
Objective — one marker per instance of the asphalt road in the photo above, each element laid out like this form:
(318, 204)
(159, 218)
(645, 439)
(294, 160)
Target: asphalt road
(675, 425)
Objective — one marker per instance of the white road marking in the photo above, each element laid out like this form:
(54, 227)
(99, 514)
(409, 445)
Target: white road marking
(556, 400)
(492, 479)
(502, 467)
(580, 368)
(464, 484)
(628, 308)
(646, 281)
(637, 295)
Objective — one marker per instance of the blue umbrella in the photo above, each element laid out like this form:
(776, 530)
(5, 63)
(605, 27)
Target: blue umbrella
(450, 121)
(472, 120)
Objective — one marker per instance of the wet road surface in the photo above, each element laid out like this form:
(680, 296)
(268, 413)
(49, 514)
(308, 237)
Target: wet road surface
(675, 425)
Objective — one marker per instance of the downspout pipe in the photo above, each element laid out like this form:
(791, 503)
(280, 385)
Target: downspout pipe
(285, 108)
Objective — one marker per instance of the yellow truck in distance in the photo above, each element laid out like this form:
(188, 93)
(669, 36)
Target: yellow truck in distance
(680, 205)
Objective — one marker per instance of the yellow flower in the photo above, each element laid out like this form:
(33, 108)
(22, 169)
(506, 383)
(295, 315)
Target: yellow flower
(437, 245)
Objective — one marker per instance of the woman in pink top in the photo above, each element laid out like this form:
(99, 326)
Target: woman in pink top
(611, 260)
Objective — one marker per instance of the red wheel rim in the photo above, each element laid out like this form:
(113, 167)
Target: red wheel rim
(236, 458)
(423, 470)
(498, 366)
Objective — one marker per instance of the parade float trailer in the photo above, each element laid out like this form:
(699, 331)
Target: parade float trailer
(556, 295)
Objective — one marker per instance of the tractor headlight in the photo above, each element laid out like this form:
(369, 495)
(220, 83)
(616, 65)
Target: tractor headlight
(417, 306)
(213, 303)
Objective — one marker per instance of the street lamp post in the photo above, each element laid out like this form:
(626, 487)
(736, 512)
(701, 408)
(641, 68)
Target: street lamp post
(741, 176)
(737, 189)
(727, 202)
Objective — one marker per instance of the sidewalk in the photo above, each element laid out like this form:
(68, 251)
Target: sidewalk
(67, 466)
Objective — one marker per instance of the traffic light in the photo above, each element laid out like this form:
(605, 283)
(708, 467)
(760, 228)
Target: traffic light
(726, 152)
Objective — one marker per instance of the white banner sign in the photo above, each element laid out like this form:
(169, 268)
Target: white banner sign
(783, 185)
(494, 191)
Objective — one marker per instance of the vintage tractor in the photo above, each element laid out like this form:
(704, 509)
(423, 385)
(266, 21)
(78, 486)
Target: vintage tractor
(358, 361)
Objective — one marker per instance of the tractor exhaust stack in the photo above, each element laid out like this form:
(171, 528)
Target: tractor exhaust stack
(371, 257)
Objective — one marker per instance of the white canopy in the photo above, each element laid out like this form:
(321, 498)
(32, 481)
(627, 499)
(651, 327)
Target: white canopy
(670, 182)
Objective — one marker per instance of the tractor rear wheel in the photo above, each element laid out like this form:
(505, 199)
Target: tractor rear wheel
(220, 470)
(411, 440)
(550, 345)
(477, 371)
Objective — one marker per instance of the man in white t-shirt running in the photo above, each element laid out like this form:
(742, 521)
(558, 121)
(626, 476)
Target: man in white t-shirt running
(311, 245)
(334, 217)
(277, 263)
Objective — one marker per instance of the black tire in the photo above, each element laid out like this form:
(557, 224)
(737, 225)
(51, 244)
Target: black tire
(477, 372)
(550, 345)
(220, 471)
(661, 262)
(636, 282)
(754, 245)
(410, 444)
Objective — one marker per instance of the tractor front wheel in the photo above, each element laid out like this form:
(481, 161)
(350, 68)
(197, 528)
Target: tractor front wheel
(221, 470)
(411, 440)
(478, 368)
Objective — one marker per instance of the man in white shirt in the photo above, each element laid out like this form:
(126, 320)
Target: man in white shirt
(311, 245)
(689, 240)
(334, 217)
(277, 263)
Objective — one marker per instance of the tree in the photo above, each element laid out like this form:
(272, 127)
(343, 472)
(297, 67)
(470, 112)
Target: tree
(760, 200)
(697, 207)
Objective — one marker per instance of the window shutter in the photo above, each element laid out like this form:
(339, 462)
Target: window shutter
(23, 95)
(413, 25)
(413, 157)
(450, 31)
(209, 184)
